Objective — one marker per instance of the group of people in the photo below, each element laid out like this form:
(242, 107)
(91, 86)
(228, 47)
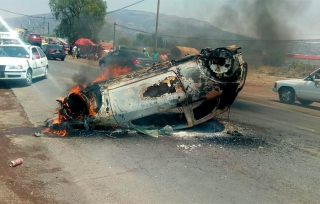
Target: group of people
(156, 56)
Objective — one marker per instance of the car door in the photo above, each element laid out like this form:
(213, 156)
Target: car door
(309, 89)
(44, 48)
(43, 61)
(123, 58)
(36, 58)
(113, 58)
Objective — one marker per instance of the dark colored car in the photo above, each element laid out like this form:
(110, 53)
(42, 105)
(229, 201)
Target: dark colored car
(126, 58)
(54, 51)
(34, 39)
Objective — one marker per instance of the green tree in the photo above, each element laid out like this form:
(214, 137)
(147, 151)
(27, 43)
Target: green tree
(124, 41)
(143, 40)
(79, 18)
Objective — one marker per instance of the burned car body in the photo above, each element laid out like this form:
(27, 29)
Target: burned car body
(180, 93)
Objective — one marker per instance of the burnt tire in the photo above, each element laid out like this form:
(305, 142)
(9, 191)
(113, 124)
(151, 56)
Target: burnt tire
(287, 95)
(305, 102)
(28, 80)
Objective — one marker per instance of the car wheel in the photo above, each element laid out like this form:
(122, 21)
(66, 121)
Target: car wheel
(28, 80)
(62, 59)
(287, 95)
(102, 65)
(46, 73)
(305, 102)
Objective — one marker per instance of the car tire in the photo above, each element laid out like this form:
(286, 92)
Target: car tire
(287, 95)
(305, 102)
(102, 65)
(46, 73)
(62, 59)
(28, 80)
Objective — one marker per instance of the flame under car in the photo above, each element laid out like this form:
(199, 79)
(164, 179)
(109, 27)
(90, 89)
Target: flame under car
(180, 93)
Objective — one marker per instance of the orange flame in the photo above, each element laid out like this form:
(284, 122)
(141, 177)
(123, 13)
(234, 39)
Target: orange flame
(55, 132)
(77, 89)
(112, 71)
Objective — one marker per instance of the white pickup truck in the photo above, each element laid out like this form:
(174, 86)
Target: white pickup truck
(305, 90)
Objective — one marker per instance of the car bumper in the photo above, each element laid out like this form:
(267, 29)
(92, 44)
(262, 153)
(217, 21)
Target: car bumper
(56, 55)
(275, 90)
(13, 75)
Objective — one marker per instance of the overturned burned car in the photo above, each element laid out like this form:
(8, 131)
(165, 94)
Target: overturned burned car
(180, 93)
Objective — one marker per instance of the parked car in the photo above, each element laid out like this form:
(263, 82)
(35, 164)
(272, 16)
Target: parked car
(54, 51)
(305, 90)
(126, 58)
(24, 36)
(22, 62)
(34, 39)
(66, 48)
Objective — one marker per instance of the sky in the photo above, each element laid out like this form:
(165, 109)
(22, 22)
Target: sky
(299, 18)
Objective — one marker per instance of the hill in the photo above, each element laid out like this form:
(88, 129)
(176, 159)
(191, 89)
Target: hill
(171, 25)
(184, 29)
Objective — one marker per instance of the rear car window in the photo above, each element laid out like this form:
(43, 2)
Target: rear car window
(139, 55)
(57, 47)
(35, 35)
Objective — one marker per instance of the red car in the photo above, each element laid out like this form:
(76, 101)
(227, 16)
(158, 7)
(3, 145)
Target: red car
(34, 39)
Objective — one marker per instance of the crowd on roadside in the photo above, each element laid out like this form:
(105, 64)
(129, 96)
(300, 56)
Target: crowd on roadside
(156, 56)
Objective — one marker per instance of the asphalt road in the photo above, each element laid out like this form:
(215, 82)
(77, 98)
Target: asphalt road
(270, 156)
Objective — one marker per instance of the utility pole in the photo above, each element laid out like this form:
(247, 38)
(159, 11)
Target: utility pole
(44, 19)
(156, 40)
(114, 35)
(48, 30)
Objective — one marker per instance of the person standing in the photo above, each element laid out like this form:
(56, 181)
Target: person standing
(74, 51)
(155, 55)
(145, 52)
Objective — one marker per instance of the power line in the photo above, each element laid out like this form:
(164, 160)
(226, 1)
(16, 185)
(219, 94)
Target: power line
(109, 26)
(125, 7)
(21, 14)
(30, 16)
(134, 29)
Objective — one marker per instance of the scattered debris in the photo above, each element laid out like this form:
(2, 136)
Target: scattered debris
(146, 131)
(234, 133)
(38, 134)
(189, 147)
(166, 130)
(16, 162)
